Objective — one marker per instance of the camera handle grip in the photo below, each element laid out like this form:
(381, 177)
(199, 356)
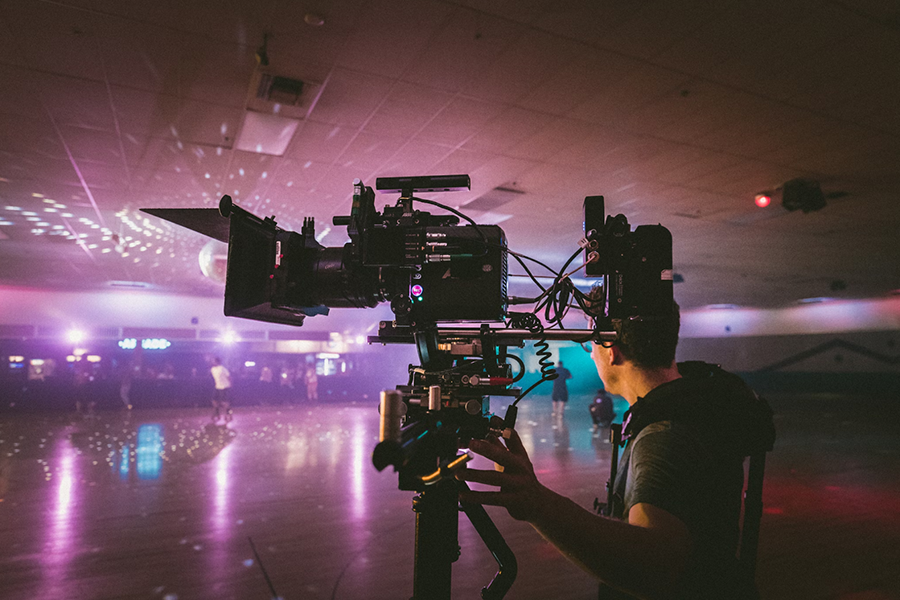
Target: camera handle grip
(507, 567)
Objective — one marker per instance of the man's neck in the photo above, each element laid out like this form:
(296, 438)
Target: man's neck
(639, 382)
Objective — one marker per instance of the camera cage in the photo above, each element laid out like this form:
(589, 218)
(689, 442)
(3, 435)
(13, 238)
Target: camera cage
(401, 255)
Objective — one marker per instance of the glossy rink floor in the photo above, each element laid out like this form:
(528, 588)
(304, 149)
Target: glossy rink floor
(164, 505)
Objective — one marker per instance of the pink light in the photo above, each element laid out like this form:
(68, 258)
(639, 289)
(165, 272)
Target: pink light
(222, 499)
(61, 531)
(763, 200)
(359, 467)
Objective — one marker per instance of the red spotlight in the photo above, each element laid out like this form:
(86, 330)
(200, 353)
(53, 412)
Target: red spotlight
(763, 200)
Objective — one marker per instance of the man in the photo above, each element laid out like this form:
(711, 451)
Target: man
(560, 395)
(221, 401)
(678, 492)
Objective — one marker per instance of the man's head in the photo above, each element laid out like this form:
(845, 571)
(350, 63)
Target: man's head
(642, 345)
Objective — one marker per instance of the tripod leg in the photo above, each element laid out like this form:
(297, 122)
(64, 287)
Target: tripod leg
(437, 544)
(507, 567)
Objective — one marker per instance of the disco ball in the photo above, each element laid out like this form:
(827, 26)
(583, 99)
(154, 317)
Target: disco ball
(213, 259)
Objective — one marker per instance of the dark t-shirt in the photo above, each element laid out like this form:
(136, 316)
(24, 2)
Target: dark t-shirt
(685, 456)
(667, 466)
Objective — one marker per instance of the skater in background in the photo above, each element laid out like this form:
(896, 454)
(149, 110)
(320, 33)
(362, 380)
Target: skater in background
(221, 401)
(312, 384)
(602, 411)
(560, 395)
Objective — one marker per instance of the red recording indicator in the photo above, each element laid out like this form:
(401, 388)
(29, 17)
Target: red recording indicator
(763, 200)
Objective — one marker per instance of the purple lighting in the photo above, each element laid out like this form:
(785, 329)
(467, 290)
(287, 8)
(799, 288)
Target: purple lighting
(359, 467)
(61, 537)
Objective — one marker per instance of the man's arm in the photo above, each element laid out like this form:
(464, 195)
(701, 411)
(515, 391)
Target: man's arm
(644, 556)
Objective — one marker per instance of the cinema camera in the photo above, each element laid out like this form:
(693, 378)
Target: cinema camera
(437, 276)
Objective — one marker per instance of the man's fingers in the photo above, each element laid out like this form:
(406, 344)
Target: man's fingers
(515, 445)
(479, 476)
(494, 451)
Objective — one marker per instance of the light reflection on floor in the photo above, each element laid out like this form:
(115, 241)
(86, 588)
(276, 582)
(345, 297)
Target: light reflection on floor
(161, 505)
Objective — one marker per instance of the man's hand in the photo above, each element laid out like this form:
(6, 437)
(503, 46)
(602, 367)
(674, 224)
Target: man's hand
(520, 491)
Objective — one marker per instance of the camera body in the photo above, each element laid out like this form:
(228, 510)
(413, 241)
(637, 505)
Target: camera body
(636, 266)
(427, 266)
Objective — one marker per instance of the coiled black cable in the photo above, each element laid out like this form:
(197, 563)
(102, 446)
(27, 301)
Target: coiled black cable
(533, 324)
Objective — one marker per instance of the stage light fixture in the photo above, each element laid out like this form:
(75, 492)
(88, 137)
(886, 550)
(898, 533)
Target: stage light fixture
(805, 194)
(763, 199)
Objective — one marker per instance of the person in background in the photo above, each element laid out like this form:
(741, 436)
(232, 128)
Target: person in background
(602, 411)
(266, 384)
(221, 396)
(312, 384)
(560, 395)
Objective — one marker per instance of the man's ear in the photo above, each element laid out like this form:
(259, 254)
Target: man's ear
(615, 355)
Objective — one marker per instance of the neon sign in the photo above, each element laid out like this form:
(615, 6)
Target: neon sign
(146, 344)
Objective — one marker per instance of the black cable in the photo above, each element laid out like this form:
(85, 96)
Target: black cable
(263, 569)
(521, 367)
(530, 322)
(460, 215)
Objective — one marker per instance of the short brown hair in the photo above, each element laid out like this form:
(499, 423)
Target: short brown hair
(648, 343)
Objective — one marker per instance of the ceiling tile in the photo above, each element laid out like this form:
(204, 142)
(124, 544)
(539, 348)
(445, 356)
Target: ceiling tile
(204, 123)
(25, 137)
(617, 99)
(478, 40)
(548, 143)
(588, 76)
(655, 27)
(215, 73)
(458, 121)
(94, 145)
(348, 99)
(507, 129)
(369, 151)
(415, 158)
(322, 142)
(404, 30)
(406, 110)
(76, 102)
(530, 60)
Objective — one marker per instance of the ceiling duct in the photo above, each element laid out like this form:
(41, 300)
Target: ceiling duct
(276, 105)
(281, 90)
(283, 95)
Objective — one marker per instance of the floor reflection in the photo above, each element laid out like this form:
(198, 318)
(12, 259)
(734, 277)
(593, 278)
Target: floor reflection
(60, 532)
(162, 504)
(149, 451)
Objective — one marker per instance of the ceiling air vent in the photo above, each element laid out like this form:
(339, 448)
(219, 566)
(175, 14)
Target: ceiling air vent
(281, 95)
(281, 90)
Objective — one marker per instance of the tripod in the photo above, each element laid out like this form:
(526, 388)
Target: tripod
(445, 404)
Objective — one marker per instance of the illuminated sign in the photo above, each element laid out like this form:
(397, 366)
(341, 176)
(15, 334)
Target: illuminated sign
(147, 344)
(155, 344)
